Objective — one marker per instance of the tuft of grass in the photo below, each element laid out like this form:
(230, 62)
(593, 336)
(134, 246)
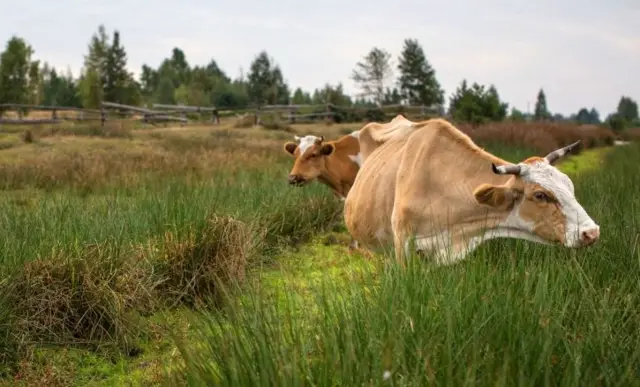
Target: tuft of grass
(89, 300)
(196, 265)
(28, 137)
(513, 313)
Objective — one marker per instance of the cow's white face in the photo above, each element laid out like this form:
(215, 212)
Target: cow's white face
(542, 202)
(309, 155)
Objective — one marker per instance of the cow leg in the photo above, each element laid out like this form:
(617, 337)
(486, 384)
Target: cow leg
(355, 246)
(400, 250)
(399, 235)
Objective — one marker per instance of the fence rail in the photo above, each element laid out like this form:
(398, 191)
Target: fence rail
(293, 113)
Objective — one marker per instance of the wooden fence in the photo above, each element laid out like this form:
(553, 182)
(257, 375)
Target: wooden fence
(184, 114)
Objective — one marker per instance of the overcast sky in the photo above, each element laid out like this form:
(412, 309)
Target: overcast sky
(582, 53)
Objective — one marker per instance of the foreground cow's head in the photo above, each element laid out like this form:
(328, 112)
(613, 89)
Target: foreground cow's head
(541, 202)
(309, 153)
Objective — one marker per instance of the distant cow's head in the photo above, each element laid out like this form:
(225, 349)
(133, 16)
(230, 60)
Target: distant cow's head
(310, 153)
(541, 202)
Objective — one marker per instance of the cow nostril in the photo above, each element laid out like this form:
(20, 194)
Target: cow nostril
(295, 179)
(590, 236)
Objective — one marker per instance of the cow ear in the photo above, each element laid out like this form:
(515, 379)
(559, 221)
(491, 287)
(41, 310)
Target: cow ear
(326, 149)
(496, 196)
(290, 147)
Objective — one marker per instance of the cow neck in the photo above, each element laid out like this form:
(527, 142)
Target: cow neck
(478, 217)
(332, 163)
(477, 166)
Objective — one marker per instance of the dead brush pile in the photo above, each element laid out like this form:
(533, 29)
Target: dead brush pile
(542, 136)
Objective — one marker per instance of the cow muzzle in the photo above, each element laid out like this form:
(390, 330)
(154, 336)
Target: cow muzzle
(296, 180)
(590, 236)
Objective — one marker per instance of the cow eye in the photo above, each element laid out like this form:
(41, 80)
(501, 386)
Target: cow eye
(541, 196)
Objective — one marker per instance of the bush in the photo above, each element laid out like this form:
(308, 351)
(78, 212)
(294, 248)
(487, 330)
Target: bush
(543, 136)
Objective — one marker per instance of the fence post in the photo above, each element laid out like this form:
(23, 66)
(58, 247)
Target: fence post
(184, 115)
(103, 117)
(329, 117)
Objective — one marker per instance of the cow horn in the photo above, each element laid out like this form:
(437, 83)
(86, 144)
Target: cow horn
(296, 138)
(559, 153)
(320, 139)
(512, 169)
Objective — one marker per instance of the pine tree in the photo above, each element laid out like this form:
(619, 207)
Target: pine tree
(417, 81)
(15, 71)
(116, 76)
(92, 80)
(540, 111)
(265, 81)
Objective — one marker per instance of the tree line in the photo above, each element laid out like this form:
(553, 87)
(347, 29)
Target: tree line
(105, 76)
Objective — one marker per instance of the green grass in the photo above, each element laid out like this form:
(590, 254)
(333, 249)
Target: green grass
(108, 243)
(513, 313)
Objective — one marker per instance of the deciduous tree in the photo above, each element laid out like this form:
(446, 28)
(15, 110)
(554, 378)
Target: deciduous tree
(372, 74)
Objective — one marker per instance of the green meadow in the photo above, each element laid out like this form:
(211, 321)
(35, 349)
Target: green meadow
(181, 256)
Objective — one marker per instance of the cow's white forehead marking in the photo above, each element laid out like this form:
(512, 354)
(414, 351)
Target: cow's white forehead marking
(549, 177)
(306, 142)
(562, 187)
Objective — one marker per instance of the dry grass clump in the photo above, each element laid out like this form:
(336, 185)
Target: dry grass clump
(291, 224)
(197, 265)
(93, 296)
(542, 136)
(87, 300)
(273, 121)
(28, 136)
(245, 120)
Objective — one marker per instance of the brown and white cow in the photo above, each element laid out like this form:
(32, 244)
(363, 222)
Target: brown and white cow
(435, 187)
(333, 163)
(336, 163)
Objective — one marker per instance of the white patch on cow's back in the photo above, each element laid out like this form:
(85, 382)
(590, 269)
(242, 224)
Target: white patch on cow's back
(306, 142)
(357, 159)
(552, 179)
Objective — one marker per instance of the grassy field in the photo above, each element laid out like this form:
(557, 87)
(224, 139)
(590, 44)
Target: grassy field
(122, 249)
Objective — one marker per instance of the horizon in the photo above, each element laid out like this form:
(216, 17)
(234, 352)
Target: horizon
(580, 57)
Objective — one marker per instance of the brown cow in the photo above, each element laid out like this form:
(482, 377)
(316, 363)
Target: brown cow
(333, 163)
(434, 184)
(336, 163)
